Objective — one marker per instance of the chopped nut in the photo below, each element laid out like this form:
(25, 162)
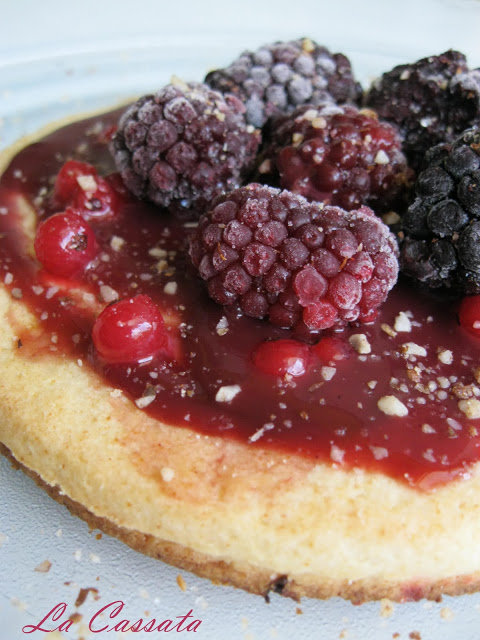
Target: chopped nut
(413, 349)
(390, 218)
(360, 343)
(222, 326)
(43, 567)
(476, 375)
(379, 452)
(445, 355)
(372, 384)
(328, 372)
(227, 393)
(108, 294)
(471, 408)
(87, 183)
(181, 583)
(388, 330)
(392, 406)
(170, 288)
(414, 374)
(117, 243)
(426, 428)
(381, 157)
(157, 252)
(144, 401)
(402, 323)
(463, 391)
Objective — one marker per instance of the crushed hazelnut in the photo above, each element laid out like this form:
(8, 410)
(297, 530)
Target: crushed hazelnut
(392, 406)
(227, 393)
(170, 288)
(222, 326)
(360, 343)
(470, 407)
(108, 294)
(388, 330)
(402, 323)
(116, 243)
(328, 373)
(87, 183)
(43, 567)
(413, 349)
(445, 355)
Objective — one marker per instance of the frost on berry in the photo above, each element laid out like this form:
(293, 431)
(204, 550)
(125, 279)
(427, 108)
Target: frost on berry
(337, 155)
(432, 101)
(183, 146)
(275, 254)
(280, 76)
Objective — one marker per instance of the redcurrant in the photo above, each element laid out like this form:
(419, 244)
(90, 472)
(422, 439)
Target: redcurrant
(65, 243)
(131, 330)
(280, 357)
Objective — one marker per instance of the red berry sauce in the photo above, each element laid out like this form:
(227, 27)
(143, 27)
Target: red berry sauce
(329, 414)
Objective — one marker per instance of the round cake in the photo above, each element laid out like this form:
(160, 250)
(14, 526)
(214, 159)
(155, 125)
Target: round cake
(245, 391)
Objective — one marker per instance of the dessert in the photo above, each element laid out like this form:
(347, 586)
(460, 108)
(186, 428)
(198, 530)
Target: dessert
(274, 454)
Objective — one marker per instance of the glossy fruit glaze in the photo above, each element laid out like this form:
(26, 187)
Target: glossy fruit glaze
(212, 384)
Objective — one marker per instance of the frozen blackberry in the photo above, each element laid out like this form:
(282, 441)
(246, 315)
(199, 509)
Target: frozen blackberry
(281, 76)
(432, 101)
(300, 263)
(441, 229)
(183, 146)
(339, 156)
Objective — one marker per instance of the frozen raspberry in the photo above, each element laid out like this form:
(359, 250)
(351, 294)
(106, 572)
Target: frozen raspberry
(274, 253)
(432, 101)
(441, 229)
(339, 156)
(183, 146)
(278, 77)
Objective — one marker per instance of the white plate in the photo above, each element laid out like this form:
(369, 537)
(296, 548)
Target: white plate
(85, 56)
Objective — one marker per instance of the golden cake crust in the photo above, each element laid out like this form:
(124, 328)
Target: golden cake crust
(251, 517)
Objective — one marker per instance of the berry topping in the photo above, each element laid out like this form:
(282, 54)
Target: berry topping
(281, 76)
(280, 357)
(78, 185)
(183, 146)
(332, 349)
(337, 155)
(441, 229)
(131, 330)
(469, 315)
(432, 101)
(276, 254)
(65, 243)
